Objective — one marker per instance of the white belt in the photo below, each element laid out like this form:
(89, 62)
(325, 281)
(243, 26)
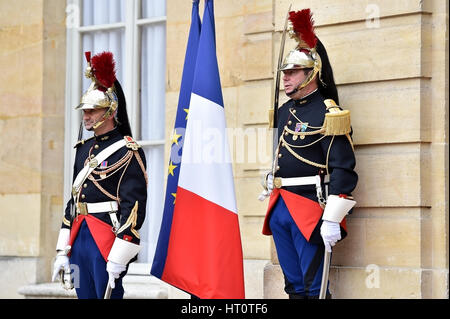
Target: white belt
(279, 182)
(102, 207)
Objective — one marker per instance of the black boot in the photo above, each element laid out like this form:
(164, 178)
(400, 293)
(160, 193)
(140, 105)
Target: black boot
(297, 296)
(328, 296)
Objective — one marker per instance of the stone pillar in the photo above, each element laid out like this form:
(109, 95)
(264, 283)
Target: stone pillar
(32, 85)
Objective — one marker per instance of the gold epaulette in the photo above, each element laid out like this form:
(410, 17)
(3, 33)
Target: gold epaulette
(81, 142)
(337, 121)
(131, 143)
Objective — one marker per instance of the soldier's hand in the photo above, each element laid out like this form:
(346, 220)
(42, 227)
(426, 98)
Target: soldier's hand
(61, 262)
(331, 233)
(114, 270)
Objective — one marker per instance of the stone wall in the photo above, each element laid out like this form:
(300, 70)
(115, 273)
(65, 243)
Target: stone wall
(32, 60)
(390, 62)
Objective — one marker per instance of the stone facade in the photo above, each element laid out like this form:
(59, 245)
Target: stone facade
(32, 60)
(390, 61)
(391, 66)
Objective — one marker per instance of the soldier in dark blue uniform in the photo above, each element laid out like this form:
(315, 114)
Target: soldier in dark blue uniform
(99, 233)
(313, 173)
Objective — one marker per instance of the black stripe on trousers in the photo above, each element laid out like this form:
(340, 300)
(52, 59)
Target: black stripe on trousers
(313, 268)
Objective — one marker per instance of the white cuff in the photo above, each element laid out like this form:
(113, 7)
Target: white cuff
(123, 251)
(336, 208)
(63, 239)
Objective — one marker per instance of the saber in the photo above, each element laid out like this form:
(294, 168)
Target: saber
(326, 271)
(108, 292)
(277, 82)
(66, 279)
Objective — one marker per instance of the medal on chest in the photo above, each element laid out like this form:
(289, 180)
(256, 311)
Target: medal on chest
(300, 127)
(103, 165)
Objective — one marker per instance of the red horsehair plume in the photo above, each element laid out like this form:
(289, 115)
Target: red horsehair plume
(103, 66)
(88, 56)
(303, 26)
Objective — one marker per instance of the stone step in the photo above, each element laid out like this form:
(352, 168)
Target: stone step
(138, 284)
(133, 290)
(52, 290)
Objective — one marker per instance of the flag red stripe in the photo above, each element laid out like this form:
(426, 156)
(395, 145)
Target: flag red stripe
(204, 253)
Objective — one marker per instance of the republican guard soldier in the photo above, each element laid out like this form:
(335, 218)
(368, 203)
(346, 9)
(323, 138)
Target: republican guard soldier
(99, 232)
(313, 175)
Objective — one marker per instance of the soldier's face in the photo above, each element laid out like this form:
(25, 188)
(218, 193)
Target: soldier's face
(90, 117)
(292, 79)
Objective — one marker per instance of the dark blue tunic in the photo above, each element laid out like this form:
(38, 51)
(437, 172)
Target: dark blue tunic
(341, 158)
(127, 184)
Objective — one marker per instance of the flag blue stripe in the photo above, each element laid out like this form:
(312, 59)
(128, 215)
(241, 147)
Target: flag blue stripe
(176, 150)
(207, 79)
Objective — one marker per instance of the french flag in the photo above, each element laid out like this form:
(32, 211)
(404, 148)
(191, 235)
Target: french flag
(199, 248)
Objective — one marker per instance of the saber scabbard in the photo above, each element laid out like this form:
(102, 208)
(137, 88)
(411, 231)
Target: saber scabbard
(325, 273)
(108, 292)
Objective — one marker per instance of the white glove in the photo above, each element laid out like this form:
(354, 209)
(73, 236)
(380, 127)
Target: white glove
(114, 270)
(61, 262)
(266, 193)
(331, 233)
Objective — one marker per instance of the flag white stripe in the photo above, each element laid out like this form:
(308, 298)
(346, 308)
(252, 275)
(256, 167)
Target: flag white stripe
(206, 168)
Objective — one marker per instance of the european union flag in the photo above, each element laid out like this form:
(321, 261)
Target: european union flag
(177, 141)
